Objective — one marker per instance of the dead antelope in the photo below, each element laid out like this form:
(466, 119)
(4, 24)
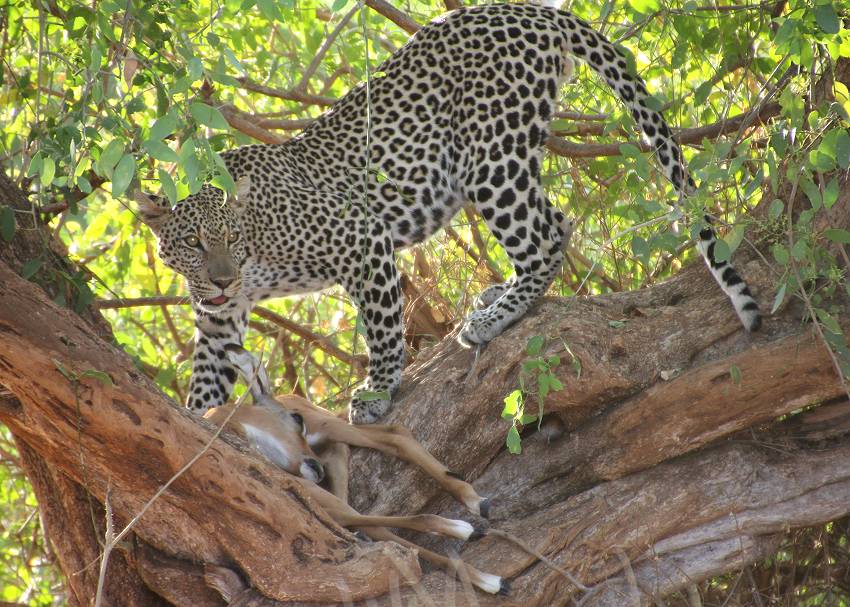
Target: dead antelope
(285, 430)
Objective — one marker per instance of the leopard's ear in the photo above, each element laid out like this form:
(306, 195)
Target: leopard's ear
(243, 193)
(153, 210)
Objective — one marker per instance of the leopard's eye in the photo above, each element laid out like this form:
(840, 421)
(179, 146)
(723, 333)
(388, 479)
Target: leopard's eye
(233, 236)
(192, 240)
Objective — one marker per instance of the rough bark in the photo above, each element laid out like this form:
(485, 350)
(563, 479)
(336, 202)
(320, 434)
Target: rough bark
(655, 468)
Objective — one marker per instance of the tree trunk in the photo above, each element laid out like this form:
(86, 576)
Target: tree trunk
(657, 465)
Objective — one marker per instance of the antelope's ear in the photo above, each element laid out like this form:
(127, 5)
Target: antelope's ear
(243, 192)
(153, 210)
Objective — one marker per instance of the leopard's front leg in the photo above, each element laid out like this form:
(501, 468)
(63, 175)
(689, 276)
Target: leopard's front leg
(376, 290)
(213, 375)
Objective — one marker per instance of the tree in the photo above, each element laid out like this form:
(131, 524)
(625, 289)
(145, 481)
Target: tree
(628, 483)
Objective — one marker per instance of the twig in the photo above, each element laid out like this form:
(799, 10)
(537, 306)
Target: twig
(170, 300)
(403, 20)
(563, 147)
(109, 543)
(477, 258)
(326, 45)
(240, 123)
(290, 95)
(536, 554)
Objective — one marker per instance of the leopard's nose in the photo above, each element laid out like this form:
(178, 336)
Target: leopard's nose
(223, 282)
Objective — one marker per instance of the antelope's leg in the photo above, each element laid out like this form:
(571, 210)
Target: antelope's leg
(348, 517)
(426, 523)
(398, 441)
(335, 460)
(393, 440)
(485, 581)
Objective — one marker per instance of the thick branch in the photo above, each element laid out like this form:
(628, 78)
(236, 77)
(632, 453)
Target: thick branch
(128, 435)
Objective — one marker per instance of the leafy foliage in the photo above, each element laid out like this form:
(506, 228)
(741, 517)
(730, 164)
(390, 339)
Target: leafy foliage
(99, 97)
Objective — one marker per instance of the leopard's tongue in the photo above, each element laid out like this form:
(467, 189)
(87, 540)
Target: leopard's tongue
(217, 301)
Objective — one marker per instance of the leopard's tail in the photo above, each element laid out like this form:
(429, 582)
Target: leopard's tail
(593, 48)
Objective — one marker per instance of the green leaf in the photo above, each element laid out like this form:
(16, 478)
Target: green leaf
(630, 150)
(735, 374)
(528, 418)
(776, 209)
(780, 254)
(208, 116)
(98, 375)
(735, 237)
(48, 171)
(828, 321)
(167, 185)
(827, 18)
(722, 251)
(640, 247)
(616, 324)
(780, 297)
(7, 223)
(837, 235)
(645, 6)
(338, 5)
(800, 250)
(123, 175)
(543, 386)
(812, 191)
(31, 267)
(163, 127)
(535, 345)
(830, 193)
(514, 442)
(160, 151)
(842, 149)
(513, 401)
(110, 157)
(269, 10)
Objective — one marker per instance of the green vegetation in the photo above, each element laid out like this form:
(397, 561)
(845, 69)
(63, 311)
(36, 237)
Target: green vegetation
(95, 97)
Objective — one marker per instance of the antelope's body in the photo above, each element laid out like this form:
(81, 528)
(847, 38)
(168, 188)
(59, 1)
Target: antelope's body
(287, 429)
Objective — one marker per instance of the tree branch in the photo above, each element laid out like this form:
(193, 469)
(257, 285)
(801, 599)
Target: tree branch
(762, 114)
(357, 362)
(401, 19)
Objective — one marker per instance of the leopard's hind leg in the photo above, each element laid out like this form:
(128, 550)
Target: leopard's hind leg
(534, 235)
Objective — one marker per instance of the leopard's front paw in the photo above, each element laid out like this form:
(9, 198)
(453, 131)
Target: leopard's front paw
(481, 327)
(367, 409)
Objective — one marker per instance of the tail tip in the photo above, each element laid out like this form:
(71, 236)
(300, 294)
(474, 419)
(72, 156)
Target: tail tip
(750, 316)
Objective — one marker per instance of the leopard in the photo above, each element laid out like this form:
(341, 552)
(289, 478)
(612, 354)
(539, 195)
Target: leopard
(458, 115)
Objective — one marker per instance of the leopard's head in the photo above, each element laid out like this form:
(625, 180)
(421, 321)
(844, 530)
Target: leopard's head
(201, 238)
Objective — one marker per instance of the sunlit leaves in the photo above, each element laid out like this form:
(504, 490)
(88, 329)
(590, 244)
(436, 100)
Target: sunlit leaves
(160, 151)
(123, 175)
(207, 116)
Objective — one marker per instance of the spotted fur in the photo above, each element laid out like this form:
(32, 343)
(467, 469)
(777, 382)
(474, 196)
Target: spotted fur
(459, 114)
